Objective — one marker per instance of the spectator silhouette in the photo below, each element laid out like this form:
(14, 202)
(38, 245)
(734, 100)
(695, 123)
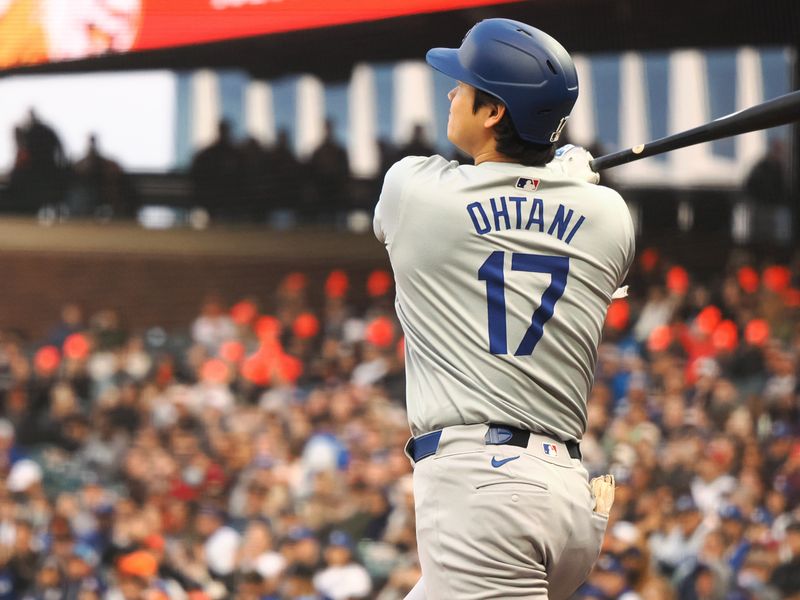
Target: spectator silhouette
(767, 183)
(388, 154)
(41, 172)
(767, 186)
(329, 175)
(71, 322)
(217, 174)
(283, 173)
(418, 145)
(256, 179)
(100, 182)
(44, 146)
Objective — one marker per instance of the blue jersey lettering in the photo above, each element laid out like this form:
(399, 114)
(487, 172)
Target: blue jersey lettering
(472, 209)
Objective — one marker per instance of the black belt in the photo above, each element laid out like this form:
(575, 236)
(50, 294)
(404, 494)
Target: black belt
(426, 445)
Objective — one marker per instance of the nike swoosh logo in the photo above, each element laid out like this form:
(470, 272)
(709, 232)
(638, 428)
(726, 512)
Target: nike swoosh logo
(499, 463)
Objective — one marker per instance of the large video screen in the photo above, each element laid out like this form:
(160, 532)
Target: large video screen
(40, 31)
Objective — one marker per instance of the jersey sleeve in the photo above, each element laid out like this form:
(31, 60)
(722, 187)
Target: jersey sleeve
(387, 211)
(412, 172)
(630, 250)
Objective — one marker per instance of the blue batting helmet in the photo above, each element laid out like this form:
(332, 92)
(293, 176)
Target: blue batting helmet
(529, 71)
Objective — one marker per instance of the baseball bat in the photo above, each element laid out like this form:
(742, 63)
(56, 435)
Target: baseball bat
(778, 111)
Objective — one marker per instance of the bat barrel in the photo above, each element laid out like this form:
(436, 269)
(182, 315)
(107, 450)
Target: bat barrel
(778, 111)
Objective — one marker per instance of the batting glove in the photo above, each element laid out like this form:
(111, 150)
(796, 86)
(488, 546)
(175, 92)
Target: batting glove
(573, 161)
(603, 491)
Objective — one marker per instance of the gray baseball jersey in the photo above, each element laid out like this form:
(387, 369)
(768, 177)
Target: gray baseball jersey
(503, 275)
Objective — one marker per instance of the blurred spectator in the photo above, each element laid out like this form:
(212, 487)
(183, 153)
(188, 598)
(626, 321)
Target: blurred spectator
(71, 322)
(218, 174)
(41, 172)
(221, 542)
(786, 576)
(329, 175)
(213, 326)
(767, 188)
(387, 156)
(342, 579)
(256, 180)
(100, 186)
(418, 145)
(767, 183)
(683, 538)
(283, 173)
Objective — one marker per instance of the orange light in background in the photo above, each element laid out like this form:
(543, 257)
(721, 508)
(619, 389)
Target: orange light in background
(254, 369)
(305, 326)
(295, 282)
(756, 333)
(659, 339)
(678, 280)
(232, 351)
(619, 312)
(215, 370)
(791, 297)
(379, 332)
(378, 283)
(748, 279)
(76, 346)
(726, 336)
(267, 327)
(336, 284)
(648, 259)
(776, 278)
(47, 359)
(290, 368)
(244, 312)
(708, 319)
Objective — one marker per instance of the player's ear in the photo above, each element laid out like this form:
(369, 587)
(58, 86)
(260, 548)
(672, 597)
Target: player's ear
(496, 114)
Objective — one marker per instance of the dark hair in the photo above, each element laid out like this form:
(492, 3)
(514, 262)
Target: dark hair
(508, 140)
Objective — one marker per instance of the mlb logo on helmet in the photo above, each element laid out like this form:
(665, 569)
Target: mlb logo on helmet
(529, 185)
(550, 449)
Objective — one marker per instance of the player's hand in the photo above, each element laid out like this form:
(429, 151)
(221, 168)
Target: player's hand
(573, 161)
(603, 492)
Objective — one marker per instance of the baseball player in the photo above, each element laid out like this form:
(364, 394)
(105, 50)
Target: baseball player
(504, 271)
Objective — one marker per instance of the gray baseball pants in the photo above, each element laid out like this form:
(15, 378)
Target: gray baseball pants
(499, 521)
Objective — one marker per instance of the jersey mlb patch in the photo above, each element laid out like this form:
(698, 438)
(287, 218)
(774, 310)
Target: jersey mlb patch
(529, 185)
(550, 449)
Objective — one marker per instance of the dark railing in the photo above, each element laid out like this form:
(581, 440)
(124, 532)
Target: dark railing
(659, 212)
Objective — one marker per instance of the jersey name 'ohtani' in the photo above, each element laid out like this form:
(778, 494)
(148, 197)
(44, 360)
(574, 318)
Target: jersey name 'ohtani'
(520, 212)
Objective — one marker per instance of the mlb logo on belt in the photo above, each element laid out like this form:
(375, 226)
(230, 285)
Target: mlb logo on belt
(550, 449)
(529, 185)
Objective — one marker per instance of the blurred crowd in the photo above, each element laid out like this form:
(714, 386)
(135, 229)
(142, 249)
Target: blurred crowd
(236, 178)
(233, 179)
(43, 176)
(258, 453)
(695, 410)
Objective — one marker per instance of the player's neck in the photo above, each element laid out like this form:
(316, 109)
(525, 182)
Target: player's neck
(491, 155)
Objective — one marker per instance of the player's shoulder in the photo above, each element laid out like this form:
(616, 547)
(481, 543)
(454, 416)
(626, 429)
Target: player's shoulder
(611, 207)
(606, 194)
(599, 195)
(420, 166)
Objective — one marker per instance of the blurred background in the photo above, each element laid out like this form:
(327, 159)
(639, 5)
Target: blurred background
(201, 373)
